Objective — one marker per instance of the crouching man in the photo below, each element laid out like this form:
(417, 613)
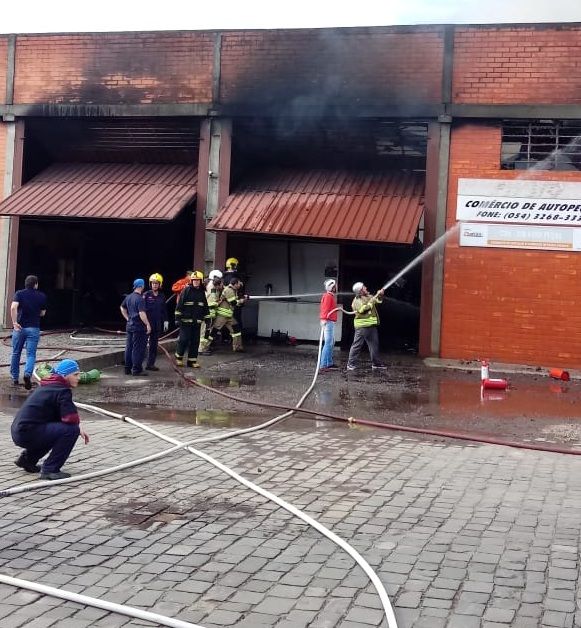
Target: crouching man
(49, 422)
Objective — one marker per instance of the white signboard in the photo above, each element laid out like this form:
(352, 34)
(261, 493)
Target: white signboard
(520, 237)
(519, 201)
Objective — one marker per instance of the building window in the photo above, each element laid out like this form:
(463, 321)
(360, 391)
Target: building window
(541, 144)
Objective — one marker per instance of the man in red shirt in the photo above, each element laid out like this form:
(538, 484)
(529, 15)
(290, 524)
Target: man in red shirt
(328, 316)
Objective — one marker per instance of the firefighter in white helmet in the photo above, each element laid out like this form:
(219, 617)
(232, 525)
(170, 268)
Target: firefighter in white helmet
(366, 324)
(214, 289)
(228, 300)
(156, 311)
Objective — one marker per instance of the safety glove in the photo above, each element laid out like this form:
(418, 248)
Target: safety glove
(165, 325)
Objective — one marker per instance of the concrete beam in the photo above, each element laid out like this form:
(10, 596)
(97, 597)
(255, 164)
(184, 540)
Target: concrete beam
(438, 255)
(349, 110)
(437, 166)
(10, 69)
(9, 226)
(213, 190)
(108, 111)
(534, 112)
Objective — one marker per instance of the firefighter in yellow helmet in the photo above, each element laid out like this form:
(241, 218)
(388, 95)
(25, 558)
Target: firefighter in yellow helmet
(232, 271)
(156, 311)
(191, 310)
(228, 300)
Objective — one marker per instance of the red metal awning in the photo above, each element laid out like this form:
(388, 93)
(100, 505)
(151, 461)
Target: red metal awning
(342, 205)
(105, 190)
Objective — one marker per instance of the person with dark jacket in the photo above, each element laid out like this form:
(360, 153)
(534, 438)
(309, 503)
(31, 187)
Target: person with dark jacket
(137, 328)
(27, 308)
(156, 311)
(49, 422)
(191, 309)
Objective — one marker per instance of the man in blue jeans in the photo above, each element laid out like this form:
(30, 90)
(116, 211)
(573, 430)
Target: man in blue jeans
(26, 310)
(49, 421)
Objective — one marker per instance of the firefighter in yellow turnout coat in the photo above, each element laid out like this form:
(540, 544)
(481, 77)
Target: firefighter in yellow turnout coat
(366, 323)
(227, 301)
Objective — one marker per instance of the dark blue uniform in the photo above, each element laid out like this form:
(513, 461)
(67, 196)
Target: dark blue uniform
(48, 421)
(157, 315)
(136, 333)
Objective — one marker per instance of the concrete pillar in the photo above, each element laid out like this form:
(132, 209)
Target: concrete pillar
(213, 189)
(436, 203)
(9, 226)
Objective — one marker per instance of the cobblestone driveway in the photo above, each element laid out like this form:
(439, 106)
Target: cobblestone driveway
(462, 535)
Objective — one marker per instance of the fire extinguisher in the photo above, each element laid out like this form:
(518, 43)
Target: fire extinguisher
(484, 373)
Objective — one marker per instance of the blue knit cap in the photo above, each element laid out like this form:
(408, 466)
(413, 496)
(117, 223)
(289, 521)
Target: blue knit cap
(66, 367)
(138, 283)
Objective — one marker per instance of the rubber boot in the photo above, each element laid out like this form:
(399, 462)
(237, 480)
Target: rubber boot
(237, 344)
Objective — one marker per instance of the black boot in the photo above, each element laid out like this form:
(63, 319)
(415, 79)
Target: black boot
(24, 463)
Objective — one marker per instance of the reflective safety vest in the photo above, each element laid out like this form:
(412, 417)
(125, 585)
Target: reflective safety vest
(192, 306)
(227, 302)
(213, 295)
(365, 311)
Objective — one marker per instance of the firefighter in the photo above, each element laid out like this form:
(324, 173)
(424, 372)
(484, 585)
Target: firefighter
(191, 309)
(230, 273)
(157, 316)
(366, 326)
(227, 301)
(214, 289)
(231, 270)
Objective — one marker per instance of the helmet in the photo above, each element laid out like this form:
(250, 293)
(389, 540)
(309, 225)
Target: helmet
(197, 274)
(215, 274)
(357, 287)
(156, 277)
(231, 263)
(329, 284)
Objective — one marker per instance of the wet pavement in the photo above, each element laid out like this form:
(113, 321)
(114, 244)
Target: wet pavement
(462, 534)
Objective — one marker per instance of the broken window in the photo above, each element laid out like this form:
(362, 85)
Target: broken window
(541, 144)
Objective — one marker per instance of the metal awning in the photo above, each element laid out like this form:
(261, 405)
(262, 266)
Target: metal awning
(376, 206)
(105, 190)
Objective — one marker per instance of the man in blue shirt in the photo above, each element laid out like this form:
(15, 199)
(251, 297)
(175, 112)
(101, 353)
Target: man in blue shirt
(156, 310)
(138, 328)
(26, 310)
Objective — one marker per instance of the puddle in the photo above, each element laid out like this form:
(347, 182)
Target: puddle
(209, 418)
(11, 402)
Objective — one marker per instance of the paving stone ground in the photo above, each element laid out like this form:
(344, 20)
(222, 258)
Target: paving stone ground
(461, 535)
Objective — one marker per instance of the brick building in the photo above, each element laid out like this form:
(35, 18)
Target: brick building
(306, 153)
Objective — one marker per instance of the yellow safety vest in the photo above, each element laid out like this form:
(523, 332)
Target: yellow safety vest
(365, 311)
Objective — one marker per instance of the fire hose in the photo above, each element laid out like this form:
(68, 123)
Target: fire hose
(388, 610)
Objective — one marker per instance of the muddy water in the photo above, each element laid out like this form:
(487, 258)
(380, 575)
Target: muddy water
(535, 409)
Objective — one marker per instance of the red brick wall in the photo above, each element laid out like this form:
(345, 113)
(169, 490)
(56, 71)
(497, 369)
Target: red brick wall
(361, 66)
(3, 67)
(114, 68)
(505, 304)
(529, 64)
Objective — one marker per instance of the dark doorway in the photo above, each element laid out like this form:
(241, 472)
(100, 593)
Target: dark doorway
(399, 314)
(85, 267)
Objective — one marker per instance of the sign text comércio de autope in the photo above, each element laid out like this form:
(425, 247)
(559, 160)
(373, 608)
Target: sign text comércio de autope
(519, 201)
